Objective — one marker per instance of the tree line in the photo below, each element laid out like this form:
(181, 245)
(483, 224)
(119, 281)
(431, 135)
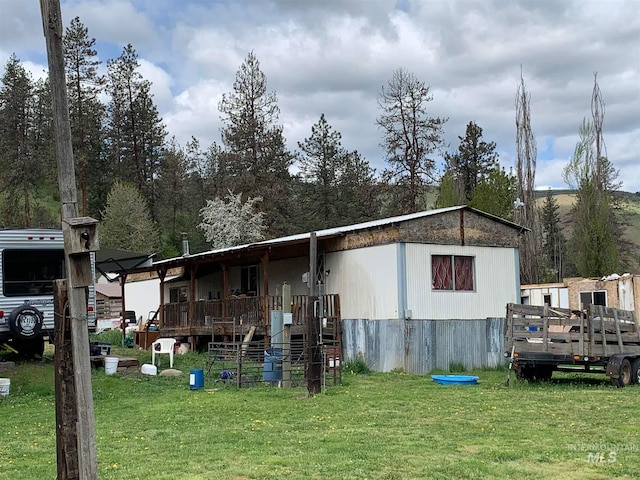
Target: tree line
(148, 190)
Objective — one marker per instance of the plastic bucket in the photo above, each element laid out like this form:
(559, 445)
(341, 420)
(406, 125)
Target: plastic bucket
(5, 385)
(272, 367)
(110, 365)
(196, 379)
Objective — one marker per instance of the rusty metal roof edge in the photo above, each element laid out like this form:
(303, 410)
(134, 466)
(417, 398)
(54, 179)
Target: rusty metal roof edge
(333, 232)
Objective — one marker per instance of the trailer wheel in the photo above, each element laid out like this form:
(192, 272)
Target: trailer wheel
(625, 375)
(25, 322)
(635, 371)
(544, 374)
(30, 349)
(524, 373)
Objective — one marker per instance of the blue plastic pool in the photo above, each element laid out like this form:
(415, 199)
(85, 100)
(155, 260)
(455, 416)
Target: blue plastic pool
(455, 379)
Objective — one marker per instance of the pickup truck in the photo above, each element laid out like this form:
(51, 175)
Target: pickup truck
(541, 340)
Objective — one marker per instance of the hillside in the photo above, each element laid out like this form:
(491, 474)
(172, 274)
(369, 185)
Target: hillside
(630, 205)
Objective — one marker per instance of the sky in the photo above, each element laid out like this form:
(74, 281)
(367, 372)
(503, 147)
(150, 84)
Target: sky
(334, 56)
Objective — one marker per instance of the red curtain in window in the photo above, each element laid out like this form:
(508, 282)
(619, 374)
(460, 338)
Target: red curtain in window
(441, 272)
(464, 273)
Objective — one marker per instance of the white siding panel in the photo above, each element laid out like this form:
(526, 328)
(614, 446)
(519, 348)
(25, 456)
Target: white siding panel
(366, 279)
(290, 271)
(495, 283)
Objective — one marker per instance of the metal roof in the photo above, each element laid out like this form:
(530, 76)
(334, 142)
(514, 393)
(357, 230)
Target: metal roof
(338, 231)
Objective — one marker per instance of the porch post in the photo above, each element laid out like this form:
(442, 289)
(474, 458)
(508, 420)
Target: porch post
(265, 295)
(191, 306)
(162, 273)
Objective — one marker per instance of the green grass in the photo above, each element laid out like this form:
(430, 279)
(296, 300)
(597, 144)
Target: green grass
(374, 426)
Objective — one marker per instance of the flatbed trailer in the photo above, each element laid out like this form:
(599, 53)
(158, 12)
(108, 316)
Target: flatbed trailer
(541, 340)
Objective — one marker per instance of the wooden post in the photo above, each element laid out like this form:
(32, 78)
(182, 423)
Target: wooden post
(122, 280)
(313, 357)
(286, 336)
(66, 411)
(80, 237)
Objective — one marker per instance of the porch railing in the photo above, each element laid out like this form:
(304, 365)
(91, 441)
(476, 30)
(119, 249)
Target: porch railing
(243, 310)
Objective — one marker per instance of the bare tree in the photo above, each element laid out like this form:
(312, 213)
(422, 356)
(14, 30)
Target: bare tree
(410, 137)
(526, 212)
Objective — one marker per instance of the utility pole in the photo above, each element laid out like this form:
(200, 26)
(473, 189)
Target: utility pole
(314, 358)
(80, 239)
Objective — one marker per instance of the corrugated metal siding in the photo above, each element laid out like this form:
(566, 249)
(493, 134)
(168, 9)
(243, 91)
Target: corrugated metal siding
(495, 283)
(419, 346)
(366, 279)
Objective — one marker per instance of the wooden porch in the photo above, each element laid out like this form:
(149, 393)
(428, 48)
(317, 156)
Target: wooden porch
(236, 315)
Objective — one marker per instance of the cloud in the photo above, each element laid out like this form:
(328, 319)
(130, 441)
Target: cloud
(333, 56)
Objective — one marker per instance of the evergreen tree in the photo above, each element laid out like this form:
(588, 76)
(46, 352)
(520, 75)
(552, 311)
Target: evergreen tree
(357, 190)
(411, 137)
(19, 170)
(320, 159)
(495, 194)
(447, 194)
(472, 163)
(126, 221)
(135, 132)
(257, 161)
(553, 241)
(86, 112)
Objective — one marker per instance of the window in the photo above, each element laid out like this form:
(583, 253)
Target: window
(452, 272)
(593, 298)
(178, 295)
(31, 272)
(249, 280)
(547, 299)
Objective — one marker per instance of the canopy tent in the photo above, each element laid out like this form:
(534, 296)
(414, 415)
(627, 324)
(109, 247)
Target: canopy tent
(115, 265)
(120, 262)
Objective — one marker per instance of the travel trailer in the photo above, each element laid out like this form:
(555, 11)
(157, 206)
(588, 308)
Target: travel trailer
(30, 260)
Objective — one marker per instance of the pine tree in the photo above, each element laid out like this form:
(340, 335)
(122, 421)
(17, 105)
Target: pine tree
(320, 159)
(257, 161)
(19, 170)
(86, 111)
(411, 137)
(135, 134)
(553, 243)
(472, 163)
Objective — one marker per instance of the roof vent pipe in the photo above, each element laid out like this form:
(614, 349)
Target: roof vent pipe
(185, 245)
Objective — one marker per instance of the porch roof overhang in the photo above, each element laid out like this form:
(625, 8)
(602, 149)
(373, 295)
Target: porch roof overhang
(297, 245)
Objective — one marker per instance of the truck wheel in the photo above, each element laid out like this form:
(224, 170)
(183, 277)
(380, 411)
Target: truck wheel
(25, 322)
(624, 374)
(635, 371)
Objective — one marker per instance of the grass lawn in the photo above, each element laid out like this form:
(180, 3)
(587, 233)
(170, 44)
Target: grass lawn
(376, 426)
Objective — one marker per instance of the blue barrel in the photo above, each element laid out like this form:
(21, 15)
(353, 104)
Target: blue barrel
(272, 366)
(196, 379)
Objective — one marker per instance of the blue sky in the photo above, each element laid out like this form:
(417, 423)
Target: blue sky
(333, 56)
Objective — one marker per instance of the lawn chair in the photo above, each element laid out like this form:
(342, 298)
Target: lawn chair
(163, 345)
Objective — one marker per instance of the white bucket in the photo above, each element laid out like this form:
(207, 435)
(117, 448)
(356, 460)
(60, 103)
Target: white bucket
(5, 385)
(110, 365)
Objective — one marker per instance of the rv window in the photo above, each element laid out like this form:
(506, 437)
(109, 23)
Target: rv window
(31, 272)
